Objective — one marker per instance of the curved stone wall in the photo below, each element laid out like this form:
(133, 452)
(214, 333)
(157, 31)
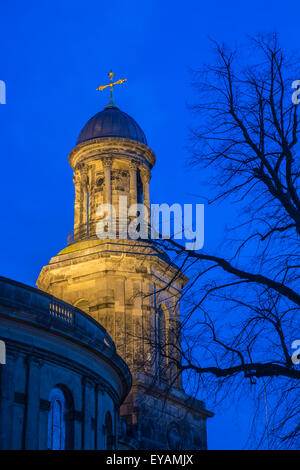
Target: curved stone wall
(63, 382)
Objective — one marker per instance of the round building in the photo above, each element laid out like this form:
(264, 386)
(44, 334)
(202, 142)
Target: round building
(62, 382)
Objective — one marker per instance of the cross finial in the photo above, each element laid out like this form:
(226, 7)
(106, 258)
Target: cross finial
(111, 85)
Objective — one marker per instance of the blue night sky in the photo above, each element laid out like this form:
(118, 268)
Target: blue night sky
(53, 57)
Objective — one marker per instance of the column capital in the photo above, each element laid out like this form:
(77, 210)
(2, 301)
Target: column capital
(100, 388)
(80, 177)
(87, 381)
(107, 162)
(11, 354)
(145, 175)
(133, 165)
(33, 360)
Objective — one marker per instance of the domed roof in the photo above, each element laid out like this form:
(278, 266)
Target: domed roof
(112, 122)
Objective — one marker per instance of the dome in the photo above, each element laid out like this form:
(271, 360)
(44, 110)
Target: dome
(112, 122)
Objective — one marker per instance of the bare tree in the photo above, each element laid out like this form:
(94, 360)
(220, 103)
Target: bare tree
(242, 302)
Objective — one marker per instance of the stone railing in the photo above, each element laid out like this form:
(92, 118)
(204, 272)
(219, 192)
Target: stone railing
(62, 311)
(30, 304)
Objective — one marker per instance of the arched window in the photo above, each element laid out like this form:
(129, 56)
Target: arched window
(60, 424)
(56, 422)
(109, 438)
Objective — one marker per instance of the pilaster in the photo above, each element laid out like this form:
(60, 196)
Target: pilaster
(7, 391)
(107, 165)
(145, 177)
(88, 413)
(33, 403)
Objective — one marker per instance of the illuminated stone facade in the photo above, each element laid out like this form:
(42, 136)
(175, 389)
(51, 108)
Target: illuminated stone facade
(128, 286)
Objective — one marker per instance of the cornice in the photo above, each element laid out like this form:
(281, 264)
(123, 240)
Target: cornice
(115, 147)
(44, 357)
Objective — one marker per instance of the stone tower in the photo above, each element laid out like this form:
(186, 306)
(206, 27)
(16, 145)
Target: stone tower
(127, 285)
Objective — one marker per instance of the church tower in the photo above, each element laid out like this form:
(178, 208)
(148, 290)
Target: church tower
(128, 285)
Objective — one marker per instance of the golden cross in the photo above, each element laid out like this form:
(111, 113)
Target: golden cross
(111, 85)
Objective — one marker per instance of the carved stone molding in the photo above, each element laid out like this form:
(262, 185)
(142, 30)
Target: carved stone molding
(133, 164)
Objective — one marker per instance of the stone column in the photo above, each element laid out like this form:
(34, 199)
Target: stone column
(145, 177)
(7, 392)
(84, 204)
(107, 164)
(80, 181)
(133, 182)
(116, 425)
(99, 418)
(77, 205)
(133, 196)
(88, 412)
(32, 414)
(91, 204)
